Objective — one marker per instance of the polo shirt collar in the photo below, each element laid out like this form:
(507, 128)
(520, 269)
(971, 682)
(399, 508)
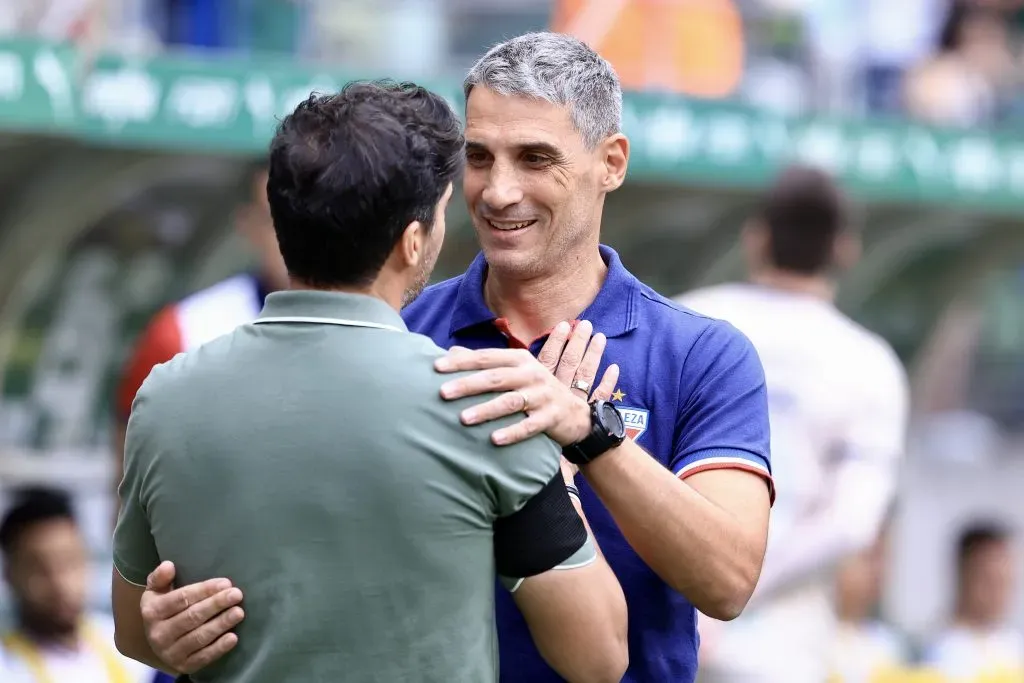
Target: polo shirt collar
(336, 305)
(613, 312)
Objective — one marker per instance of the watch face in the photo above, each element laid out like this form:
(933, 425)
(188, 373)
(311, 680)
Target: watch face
(612, 420)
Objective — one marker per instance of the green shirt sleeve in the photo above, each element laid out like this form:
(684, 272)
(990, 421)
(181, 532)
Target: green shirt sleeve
(519, 472)
(135, 552)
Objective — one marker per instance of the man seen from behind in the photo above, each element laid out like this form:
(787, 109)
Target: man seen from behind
(363, 521)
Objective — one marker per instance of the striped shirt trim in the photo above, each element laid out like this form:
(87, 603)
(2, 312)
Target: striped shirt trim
(729, 463)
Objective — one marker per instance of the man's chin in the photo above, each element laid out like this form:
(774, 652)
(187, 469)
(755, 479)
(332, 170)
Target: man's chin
(54, 627)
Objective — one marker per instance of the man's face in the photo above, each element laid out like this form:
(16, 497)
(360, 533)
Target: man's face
(48, 577)
(988, 581)
(531, 185)
(431, 251)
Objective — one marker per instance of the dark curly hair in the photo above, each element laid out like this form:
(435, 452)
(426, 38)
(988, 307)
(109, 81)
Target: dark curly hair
(349, 172)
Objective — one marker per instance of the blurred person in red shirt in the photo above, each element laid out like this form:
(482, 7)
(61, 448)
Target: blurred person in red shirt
(207, 314)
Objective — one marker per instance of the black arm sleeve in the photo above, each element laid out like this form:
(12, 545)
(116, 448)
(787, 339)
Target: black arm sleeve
(539, 536)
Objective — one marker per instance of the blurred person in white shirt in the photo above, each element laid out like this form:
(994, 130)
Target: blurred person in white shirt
(838, 409)
(866, 648)
(978, 644)
(45, 566)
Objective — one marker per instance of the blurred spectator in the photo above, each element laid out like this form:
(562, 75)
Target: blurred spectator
(260, 25)
(960, 85)
(895, 36)
(53, 19)
(45, 567)
(978, 644)
(866, 648)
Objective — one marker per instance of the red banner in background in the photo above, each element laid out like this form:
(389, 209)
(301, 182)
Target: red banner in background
(691, 47)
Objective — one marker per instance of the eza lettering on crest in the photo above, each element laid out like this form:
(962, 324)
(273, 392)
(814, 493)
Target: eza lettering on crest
(635, 420)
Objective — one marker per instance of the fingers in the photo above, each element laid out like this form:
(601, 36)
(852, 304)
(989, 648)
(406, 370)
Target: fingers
(161, 579)
(497, 379)
(207, 636)
(521, 431)
(604, 390)
(200, 614)
(553, 348)
(509, 403)
(482, 359)
(158, 607)
(572, 354)
(208, 655)
(591, 361)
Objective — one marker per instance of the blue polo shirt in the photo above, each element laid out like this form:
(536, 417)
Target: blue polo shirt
(692, 393)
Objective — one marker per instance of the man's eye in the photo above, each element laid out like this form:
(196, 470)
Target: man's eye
(535, 159)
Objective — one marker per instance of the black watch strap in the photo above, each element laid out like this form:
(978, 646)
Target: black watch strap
(607, 431)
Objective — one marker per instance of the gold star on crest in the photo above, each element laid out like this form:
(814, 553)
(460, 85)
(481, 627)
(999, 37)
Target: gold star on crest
(618, 395)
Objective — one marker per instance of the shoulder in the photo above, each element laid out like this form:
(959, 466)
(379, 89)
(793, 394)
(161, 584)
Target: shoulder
(868, 356)
(187, 372)
(704, 341)
(216, 310)
(237, 289)
(711, 300)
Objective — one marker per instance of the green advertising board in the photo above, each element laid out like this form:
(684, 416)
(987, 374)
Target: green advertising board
(231, 105)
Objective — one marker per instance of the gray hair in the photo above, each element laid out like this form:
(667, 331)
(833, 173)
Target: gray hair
(559, 69)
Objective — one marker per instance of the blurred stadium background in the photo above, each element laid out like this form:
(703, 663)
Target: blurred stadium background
(129, 130)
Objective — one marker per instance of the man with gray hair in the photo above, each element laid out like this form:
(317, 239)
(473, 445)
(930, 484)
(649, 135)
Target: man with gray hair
(676, 482)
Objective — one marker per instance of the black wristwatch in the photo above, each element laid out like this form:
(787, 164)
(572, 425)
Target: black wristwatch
(607, 430)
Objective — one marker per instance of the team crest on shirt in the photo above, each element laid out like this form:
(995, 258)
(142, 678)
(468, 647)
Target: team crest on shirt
(635, 420)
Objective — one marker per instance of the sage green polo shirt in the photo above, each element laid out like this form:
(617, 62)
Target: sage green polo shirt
(310, 458)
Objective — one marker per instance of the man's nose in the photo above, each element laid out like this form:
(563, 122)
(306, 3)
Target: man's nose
(503, 188)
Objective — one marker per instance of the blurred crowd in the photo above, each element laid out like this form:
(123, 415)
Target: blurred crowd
(945, 62)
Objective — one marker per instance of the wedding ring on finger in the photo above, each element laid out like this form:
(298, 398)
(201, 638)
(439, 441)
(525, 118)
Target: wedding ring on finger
(526, 401)
(582, 385)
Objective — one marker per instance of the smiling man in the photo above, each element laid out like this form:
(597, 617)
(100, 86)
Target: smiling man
(679, 503)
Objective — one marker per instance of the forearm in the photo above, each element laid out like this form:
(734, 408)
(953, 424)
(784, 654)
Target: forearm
(577, 618)
(136, 647)
(700, 549)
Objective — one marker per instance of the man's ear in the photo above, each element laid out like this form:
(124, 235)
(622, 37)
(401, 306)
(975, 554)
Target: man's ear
(615, 156)
(412, 245)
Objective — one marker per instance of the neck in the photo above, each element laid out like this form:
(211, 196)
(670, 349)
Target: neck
(816, 286)
(533, 306)
(851, 616)
(377, 289)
